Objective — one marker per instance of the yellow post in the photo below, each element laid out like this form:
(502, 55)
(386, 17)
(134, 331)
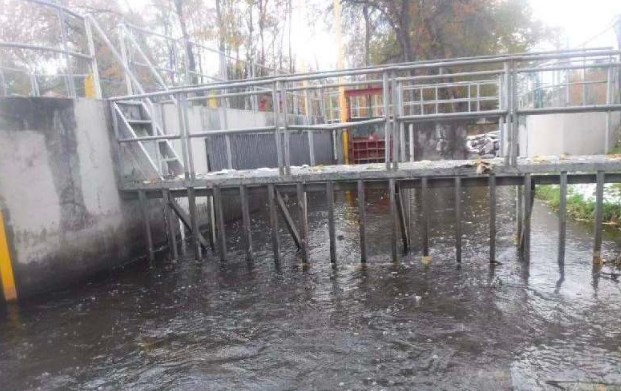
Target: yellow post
(340, 65)
(89, 87)
(6, 267)
(212, 101)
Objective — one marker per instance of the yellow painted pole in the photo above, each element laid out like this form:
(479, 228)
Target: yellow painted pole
(6, 267)
(340, 64)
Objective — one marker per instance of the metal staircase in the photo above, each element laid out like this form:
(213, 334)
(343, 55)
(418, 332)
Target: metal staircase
(134, 120)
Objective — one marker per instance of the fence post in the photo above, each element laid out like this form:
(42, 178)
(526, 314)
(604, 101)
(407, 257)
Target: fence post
(275, 110)
(385, 97)
(93, 53)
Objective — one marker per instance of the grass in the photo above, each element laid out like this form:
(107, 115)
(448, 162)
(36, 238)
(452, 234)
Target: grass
(577, 207)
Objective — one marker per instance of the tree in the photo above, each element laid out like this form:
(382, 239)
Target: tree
(410, 30)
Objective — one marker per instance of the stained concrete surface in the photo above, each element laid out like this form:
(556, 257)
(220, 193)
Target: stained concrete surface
(65, 216)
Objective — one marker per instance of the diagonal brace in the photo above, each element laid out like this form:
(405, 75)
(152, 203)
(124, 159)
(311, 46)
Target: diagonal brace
(185, 219)
(282, 207)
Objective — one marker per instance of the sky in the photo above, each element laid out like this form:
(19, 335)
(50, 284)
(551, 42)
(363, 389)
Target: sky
(584, 22)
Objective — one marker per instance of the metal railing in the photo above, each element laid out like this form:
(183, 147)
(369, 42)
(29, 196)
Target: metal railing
(468, 89)
(65, 59)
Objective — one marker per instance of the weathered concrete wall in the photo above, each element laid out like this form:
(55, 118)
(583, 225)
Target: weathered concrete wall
(65, 216)
(570, 134)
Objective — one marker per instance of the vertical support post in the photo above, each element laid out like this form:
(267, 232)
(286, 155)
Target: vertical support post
(229, 152)
(243, 196)
(421, 102)
(285, 113)
(403, 221)
(609, 94)
(562, 218)
(385, 96)
(519, 212)
(271, 196)
(276, 110)
(411, 138)
(217, 195)
(394, 137)
(393, 219)
(492, 218)
(170, 219)
(528, 208)
(311, 146)
(142, 198)
(599, 214)
(458, 233)
(362, 221)
(125, 60)
(506, 105)
(93, 54)
(63, 33)
(331, 228)
(183, 135)
(194, 221)
(303, 213)
(425, 202)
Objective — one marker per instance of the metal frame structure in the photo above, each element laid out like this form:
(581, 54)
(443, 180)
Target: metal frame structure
(68, 55)
(397, 80)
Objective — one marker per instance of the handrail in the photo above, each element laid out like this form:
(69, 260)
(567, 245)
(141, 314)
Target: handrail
(379, 69)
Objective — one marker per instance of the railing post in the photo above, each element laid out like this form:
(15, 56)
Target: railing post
(385, 96)
(609, 93)
(125, 60)
(276, 110)
(395, 137)
(63, 34)
(93, 53)
(285, 113)
(183, 134)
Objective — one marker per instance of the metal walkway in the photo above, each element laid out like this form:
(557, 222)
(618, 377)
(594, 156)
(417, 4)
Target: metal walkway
(495, 89)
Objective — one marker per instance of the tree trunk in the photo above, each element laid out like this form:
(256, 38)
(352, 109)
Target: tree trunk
(223, 71)
(367, 35)
(191, 62)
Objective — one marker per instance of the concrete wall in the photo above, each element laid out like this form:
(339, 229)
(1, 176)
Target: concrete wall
(64, 215)
(570, 134)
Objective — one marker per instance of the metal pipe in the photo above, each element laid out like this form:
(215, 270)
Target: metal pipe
(401, 67)
(362, 221)
(331, 227)
(562, 217)
(385, 97)
(243, 196)
(18, 45)
(458, 232)
(599, 213)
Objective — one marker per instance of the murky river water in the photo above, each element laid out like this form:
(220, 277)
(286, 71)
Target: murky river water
(198, 325)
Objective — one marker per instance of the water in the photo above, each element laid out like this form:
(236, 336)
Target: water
(195, 325)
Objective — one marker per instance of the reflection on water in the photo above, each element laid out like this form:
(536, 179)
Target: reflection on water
(199, 324)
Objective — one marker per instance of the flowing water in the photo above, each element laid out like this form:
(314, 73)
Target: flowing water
(205, 325)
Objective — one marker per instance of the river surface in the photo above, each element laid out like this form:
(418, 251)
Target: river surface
(205, 325)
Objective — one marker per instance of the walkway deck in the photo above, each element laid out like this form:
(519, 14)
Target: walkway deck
(582, 166)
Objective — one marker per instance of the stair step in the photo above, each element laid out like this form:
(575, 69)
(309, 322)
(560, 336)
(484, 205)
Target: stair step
(129, 102)
(139, 121)
(170, 159)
